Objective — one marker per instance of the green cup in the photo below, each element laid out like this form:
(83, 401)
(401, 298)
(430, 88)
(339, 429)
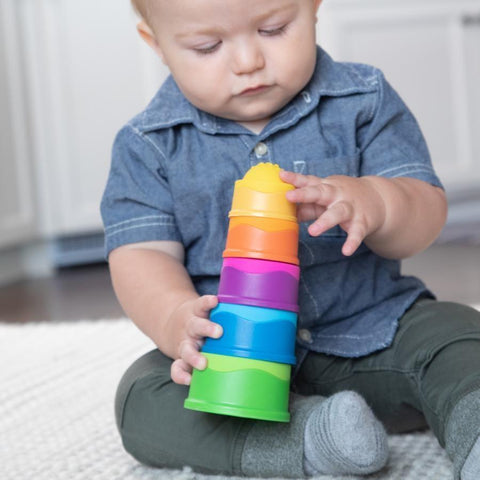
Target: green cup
(241, 387)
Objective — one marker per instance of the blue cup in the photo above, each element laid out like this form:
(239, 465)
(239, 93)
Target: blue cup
(254, 332)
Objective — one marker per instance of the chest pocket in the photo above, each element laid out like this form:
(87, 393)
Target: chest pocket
(324, 167)
(326, 248)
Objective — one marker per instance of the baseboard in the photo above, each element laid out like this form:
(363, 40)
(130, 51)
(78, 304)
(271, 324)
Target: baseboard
(75, 250)
(25, 261)
(463, 223)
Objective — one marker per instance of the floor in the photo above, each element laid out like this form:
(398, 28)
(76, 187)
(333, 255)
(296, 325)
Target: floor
(451, 271)
(71, 294)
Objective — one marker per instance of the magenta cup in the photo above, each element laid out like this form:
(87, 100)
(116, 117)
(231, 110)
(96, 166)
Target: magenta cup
(260, 283)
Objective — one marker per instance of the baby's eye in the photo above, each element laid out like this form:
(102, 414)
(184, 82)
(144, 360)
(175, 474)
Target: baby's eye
(270, 32)
(205, 50)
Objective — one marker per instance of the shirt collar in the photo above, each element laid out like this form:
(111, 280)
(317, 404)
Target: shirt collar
(169, 107)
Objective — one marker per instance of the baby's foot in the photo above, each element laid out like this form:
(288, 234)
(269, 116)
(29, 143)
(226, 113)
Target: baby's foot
(342, 436)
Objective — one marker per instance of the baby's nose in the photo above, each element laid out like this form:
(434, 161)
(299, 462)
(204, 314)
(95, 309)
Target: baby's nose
(247, 57)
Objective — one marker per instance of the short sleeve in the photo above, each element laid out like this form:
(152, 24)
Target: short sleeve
(137, 205)
(391, 143)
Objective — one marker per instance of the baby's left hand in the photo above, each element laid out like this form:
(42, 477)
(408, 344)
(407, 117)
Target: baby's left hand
(353, 203)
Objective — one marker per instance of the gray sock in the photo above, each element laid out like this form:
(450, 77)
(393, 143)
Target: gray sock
(279, 450)
(471, 467)
(461, 436)
(344, 437)
(276, 449)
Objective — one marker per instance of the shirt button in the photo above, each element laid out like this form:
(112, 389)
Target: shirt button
(305, 335)
(261, 149)
(306, 96)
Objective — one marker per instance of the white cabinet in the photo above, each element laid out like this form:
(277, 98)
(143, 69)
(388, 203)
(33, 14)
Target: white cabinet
(71, 74)
(87, 73)
(429, 50)
(17, 219)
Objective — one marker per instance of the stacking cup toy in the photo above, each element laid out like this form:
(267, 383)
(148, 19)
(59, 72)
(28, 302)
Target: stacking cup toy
(262, 283)
(248, 368)
(263, 238)
(254, 332)
(261, 193)
(241, 387)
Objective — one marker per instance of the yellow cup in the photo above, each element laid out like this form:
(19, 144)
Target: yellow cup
(261, 193)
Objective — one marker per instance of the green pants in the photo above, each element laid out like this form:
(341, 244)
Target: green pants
(433, 362)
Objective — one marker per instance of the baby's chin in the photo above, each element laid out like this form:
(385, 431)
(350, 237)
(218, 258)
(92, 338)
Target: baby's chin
(256, 117)
(259, 114)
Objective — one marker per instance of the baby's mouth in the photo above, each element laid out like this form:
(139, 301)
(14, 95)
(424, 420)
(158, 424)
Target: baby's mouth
(254, 90)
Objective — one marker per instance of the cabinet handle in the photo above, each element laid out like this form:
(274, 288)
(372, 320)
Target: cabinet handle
(471, 20)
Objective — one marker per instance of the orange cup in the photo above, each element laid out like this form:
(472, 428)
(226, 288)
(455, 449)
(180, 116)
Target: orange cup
(263, 238)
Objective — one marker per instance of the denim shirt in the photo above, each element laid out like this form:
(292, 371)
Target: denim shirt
(173, 172)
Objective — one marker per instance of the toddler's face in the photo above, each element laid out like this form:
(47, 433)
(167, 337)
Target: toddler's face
(238, 59)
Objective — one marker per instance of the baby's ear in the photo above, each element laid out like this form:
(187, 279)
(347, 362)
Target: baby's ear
(148, 35)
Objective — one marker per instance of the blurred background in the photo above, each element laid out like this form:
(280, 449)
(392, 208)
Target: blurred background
(73, 72)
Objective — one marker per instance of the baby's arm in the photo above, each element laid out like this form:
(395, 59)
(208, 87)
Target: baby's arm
(156, 292)
(395, 217)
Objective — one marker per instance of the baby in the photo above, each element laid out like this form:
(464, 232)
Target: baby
(248, 84)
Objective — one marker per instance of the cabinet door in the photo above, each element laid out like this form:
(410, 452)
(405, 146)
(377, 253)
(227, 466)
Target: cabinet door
(430, 53)
(89, 73)
(17, 220)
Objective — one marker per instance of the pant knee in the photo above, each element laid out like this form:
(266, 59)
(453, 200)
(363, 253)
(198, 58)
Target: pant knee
(153, 361)
(148, 410)
(448, 337)
(430, 326)
(158, 431)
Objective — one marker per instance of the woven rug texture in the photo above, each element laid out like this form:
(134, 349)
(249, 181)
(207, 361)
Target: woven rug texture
(58, 382)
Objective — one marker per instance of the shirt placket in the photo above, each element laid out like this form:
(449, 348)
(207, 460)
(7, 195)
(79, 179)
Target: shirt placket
(261, 152)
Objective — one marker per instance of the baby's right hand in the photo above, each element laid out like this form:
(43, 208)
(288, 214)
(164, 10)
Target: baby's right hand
(193, 316)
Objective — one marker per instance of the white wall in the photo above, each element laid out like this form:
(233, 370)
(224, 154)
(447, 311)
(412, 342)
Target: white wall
(72, 72)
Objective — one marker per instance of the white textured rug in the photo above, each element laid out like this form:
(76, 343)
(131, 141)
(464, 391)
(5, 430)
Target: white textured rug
(57, 383)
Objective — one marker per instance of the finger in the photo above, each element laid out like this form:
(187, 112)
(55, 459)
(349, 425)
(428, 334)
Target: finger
(204, 304)
(180, 372)
(320, 194)
(307, 212)
(188, 351)
(298, 180)
(199, 328)
(355, 237)
(338, 213)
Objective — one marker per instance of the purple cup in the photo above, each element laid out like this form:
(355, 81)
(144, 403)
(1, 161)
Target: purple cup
(260, 283)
